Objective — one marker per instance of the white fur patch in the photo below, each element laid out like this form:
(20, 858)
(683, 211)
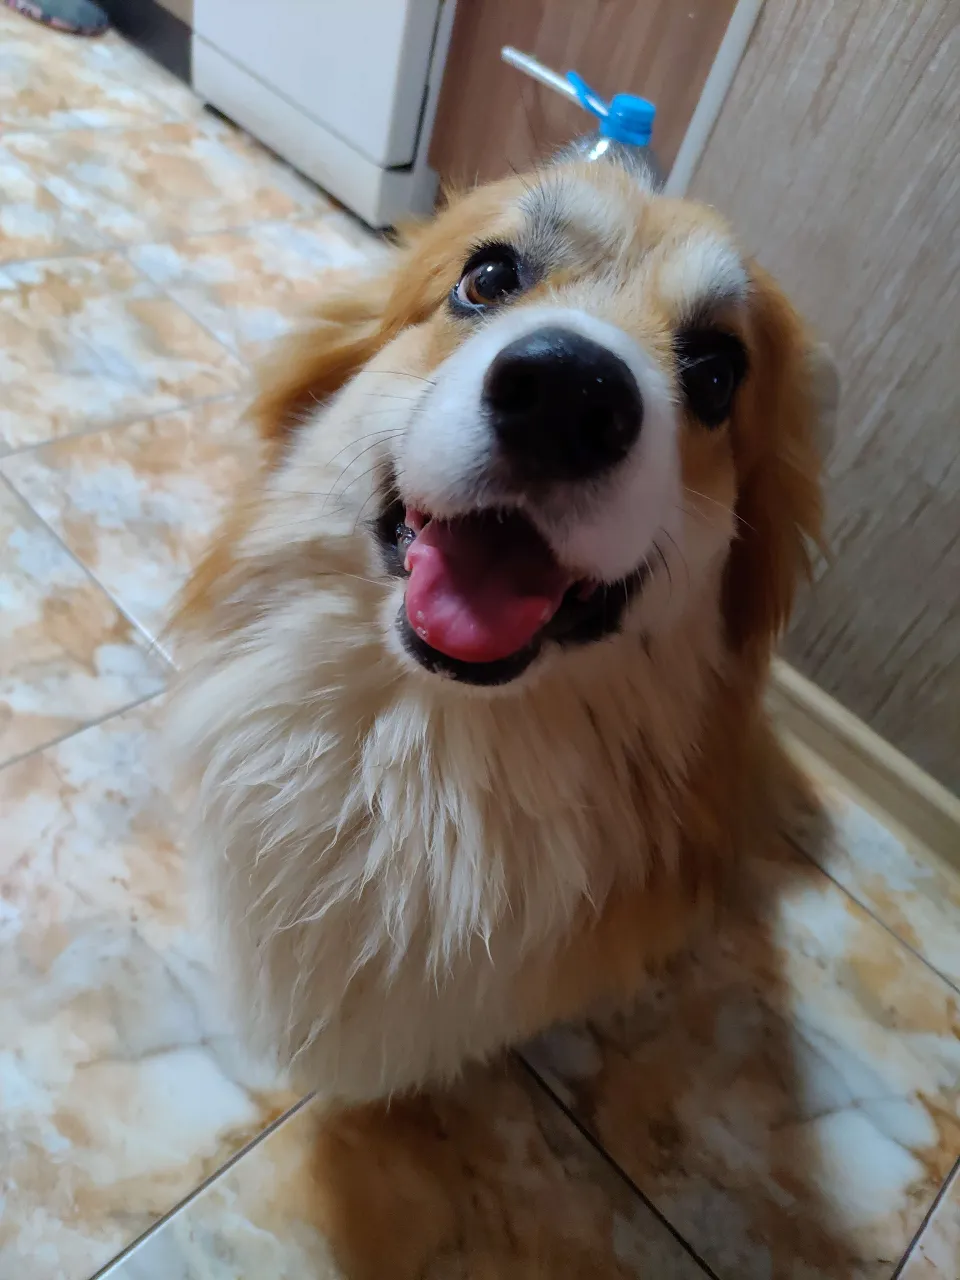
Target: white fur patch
(390, 863)
(703, 271)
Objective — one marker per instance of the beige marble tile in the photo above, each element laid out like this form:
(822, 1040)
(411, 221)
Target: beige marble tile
(49, 80)
(159, 183)
(913, 894)
(115, 56)
(121, 1085)
(67, 656)
(138, 504)
(88, 341)
(248, 287)
(110, 58)
(790, 1100)
(33, 222)
(936, 1255)
(493, 1183)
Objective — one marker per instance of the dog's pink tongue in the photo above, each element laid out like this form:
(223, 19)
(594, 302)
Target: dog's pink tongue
(481, 586)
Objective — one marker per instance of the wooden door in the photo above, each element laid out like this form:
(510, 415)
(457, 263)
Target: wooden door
(491, 118)
(837, 155)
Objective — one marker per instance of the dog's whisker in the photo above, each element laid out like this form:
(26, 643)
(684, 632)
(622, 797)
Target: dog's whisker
(683, 559)
(302, 493)
(666, 565)
(396, 373)
(394, 395)
(380, 434)
(352, 463)
(695, 493)
(363, 506)
(705, 518)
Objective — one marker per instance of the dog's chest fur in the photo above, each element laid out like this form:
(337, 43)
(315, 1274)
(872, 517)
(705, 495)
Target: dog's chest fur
(390, 852)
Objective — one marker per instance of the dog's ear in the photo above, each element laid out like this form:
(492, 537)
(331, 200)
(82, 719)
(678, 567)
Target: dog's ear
(825, 381)
(343, 333)
(359, 313)
(778, 437)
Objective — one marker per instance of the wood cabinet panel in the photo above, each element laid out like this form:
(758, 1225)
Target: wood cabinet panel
(491, 118)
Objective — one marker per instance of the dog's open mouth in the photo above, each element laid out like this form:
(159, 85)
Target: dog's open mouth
(482, 586)
(485, 590)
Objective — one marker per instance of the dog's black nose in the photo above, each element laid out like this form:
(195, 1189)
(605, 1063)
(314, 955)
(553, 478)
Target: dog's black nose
(562, 407)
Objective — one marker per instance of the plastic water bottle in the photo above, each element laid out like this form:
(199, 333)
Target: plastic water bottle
(626, 121)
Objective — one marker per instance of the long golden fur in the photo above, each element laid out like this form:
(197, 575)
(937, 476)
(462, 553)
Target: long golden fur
(412, 874)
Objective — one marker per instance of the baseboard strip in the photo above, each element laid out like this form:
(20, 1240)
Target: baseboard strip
(828, 739)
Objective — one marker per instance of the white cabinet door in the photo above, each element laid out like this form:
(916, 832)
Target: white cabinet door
(358, 67)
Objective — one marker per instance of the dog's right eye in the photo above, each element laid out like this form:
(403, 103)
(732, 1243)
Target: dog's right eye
(711, 367)
(489, 278)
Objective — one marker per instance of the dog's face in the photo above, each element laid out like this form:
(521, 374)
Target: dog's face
(570, 411)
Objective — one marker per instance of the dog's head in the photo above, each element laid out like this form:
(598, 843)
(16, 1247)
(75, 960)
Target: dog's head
(568, 410)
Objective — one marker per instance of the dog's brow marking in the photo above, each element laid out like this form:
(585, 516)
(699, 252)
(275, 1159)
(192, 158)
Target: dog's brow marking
(701, 272)
(573, 216)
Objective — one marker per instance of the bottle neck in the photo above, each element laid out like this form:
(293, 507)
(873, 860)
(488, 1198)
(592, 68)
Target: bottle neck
(640, 159)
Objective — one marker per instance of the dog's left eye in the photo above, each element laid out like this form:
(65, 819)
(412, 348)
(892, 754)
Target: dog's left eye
(711, 367)
(490, 276)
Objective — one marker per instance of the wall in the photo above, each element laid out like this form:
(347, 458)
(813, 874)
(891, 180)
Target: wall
(837, 155)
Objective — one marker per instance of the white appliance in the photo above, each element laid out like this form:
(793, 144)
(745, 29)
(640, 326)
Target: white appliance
(345, 90)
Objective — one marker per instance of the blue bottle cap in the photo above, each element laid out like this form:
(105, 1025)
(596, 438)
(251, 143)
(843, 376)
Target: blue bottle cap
(629, 119)
(626, 118)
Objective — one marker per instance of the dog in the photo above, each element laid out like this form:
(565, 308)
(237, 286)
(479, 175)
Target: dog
(472, 703)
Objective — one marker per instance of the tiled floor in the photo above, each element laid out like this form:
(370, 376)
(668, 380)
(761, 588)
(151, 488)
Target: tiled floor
(786, 1107)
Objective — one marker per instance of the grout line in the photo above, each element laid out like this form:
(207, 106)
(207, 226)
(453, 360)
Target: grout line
(91, 251)
(231, 350)
(237, 228)
(232, 347)
(111, 244)
(82, 728)
(154, 650)
(325, 207)
(869, 911)
(952, 1177)
(10, 129)
(618, 1169)
(117, 1261)
(123, 252)
(119, 424)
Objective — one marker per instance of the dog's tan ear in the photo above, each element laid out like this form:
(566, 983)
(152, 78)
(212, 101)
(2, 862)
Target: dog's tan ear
(310, 365)
(777, 446)
(825, 381)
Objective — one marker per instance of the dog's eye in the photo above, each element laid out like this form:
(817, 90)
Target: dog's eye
(711, 367)
(490, 276)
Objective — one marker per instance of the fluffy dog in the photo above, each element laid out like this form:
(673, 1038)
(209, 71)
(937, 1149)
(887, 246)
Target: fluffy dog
(473, 701)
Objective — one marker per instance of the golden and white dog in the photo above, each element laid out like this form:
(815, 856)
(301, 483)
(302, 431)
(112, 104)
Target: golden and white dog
(473, 700)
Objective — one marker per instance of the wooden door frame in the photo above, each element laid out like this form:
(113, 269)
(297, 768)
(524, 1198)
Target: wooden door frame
(715, 89)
